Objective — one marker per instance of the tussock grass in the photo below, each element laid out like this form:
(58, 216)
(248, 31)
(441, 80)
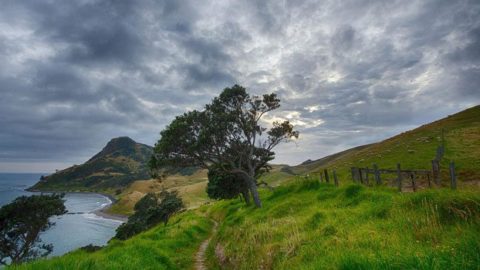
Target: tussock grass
(309, 225)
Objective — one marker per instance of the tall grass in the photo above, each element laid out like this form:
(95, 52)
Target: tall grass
(308, 225)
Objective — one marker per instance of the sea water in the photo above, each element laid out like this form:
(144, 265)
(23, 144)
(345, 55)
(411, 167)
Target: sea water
(78, 228)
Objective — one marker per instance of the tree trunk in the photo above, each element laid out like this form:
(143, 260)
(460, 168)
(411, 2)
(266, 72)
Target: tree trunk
(246, 196)
(253, 189)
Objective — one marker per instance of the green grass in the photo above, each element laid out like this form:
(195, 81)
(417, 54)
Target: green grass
(164, 247)
(308, 225)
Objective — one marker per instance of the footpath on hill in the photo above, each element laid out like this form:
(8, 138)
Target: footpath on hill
(200, 256)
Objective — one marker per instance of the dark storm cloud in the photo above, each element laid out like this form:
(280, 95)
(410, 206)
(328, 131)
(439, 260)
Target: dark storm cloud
(73, 74)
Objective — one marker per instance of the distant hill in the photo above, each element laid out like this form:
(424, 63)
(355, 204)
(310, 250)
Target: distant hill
(121, 162)
(413, 149)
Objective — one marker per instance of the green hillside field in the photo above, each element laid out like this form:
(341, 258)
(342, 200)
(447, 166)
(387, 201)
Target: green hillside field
(312, 225)
(307, 225)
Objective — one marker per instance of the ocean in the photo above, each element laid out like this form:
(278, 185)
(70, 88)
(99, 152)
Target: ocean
(78, 228)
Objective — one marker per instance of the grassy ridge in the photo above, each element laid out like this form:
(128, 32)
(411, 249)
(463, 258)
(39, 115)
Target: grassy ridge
(308, 225)
(414, 150)
(163, 247)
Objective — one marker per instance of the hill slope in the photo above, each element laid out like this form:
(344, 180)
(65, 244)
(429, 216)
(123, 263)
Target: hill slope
(414, 149)
(121, 162)
(306, 225)
(312, 225)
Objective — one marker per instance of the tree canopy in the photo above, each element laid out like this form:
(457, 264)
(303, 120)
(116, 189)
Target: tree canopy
(21, 223)
(227, 134)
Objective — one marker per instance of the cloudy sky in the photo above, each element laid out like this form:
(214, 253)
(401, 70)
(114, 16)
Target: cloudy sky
(74, 74)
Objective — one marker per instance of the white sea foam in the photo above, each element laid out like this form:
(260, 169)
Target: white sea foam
(94, 216)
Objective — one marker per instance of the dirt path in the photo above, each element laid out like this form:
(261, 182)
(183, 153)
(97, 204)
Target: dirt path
(200, 256)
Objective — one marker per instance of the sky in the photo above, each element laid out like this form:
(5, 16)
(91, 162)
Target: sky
(74, 74)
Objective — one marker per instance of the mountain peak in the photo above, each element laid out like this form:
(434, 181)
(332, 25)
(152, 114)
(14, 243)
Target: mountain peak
(120, 142)
(120, 145)
(119, 163)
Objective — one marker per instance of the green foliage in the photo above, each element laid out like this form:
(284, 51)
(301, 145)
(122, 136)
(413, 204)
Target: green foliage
(21, 223)
(149, 212)
(224, 185)
(227, 131)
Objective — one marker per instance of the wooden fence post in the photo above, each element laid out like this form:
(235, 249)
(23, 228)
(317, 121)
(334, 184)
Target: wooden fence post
(360, 175)
(429, 181)
(436, 171)
(366, 176)
(412, 177)
(326, 176)
(376, 175)
(453, 177)
(399, 177)
(321, 177)
(352, 171)
(335, 179)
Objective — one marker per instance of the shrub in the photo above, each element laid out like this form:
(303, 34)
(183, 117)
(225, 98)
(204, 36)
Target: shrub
(148, 212)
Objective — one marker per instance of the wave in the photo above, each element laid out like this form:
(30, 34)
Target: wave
(93, 216)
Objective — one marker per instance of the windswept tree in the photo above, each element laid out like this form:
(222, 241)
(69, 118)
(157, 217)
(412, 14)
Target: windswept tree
(21, 223)
(226, 134)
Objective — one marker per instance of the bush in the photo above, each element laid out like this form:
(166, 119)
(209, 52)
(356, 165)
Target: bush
(148, 213)
(90, 248)
(224, 185)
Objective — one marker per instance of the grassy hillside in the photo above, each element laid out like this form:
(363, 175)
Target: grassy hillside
(163, 247)
(308, 225)
(191, 188)
(121, 162)
(414, 150)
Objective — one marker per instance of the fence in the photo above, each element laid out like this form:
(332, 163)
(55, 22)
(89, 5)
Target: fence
(362, 175)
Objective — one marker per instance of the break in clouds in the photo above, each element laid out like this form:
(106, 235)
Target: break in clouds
(74, 74)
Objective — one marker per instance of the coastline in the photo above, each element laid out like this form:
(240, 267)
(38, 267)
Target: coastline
(102, 212)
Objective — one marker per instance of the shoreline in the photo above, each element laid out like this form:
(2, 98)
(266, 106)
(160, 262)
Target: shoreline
(102, 212)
